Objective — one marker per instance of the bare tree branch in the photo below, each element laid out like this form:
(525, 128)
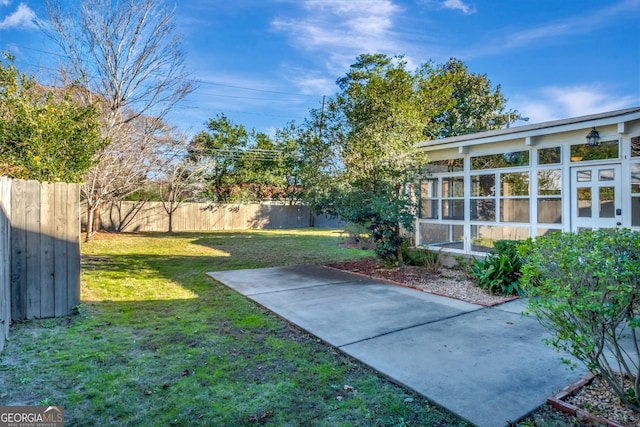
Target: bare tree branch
(124, 52)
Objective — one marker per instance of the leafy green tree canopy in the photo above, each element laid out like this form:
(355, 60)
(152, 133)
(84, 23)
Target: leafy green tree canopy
(366, 140)
(44, 134)
(247, 165)
(370, 132)
(459, 102)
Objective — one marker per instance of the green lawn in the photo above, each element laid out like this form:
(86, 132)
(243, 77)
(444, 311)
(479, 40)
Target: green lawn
(157, 342)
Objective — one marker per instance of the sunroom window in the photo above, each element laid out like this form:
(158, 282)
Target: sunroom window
(635, 194)
(483, 197)
(586, 152)
(514, 200)
(550, 196)
(453, 197)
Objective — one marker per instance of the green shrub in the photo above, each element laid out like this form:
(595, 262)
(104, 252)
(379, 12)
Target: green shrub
(426, 258)
(585, 288)
(500, 271)
(357, 235)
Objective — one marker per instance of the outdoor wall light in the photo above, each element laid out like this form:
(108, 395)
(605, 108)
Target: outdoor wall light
(593, 139)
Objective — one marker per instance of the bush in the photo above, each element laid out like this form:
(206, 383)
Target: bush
(500, 271)
(428, 259)
(357, 235)
(584, 287)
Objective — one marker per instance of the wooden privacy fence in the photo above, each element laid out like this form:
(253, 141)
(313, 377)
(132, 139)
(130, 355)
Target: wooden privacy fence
(151, 216)
(43, 234)
(5, 259)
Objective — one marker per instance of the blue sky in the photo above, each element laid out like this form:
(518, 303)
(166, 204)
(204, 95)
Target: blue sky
(266, 62)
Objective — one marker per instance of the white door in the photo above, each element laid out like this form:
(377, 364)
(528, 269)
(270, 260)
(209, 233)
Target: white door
(595, 197)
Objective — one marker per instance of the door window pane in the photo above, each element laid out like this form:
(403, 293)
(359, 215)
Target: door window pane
(635, 211)
(635, 178)
(584, 202)
(607, 198)
(584, 176)
(606, 175)
(635, 146)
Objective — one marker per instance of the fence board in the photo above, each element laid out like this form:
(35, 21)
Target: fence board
(203, 217)
(47, 267)
(5, 260)
(32, 223)
(18, 250)
(73, 247)
(60, 250)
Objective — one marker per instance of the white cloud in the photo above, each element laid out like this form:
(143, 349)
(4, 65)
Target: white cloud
(556, 102)
(313, 83)
(459, 5)
(341, 30)
(22, 18)
(554, 30)
(5, 2)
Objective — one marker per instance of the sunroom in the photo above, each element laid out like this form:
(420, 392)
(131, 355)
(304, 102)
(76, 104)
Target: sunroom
(564, 175)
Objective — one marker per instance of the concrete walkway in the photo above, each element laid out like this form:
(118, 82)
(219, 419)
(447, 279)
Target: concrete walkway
(487, 365)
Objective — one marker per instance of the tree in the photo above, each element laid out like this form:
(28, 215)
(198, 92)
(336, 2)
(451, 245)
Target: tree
(44, 134)
(181, 179)
(247, 165)
(291, 162)
(223, 144)
(470, 105)
(144, 147)
(125, 53)
(371, 130)
(364, 145)
(129, 60)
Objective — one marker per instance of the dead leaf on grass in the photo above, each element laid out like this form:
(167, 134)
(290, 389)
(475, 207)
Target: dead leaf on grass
(260, 418)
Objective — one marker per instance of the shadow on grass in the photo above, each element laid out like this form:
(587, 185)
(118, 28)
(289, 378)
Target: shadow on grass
(160, 343)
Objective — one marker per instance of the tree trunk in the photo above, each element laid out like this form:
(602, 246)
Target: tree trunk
(91, 211)
(399, 257)
(93, 217)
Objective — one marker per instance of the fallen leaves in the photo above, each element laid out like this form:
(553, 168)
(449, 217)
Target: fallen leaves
(260, 418)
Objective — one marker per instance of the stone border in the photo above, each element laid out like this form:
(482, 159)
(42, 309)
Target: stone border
(557, 402)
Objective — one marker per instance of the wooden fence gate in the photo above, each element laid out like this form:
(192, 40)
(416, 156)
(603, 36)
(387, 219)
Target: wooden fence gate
(40, 271)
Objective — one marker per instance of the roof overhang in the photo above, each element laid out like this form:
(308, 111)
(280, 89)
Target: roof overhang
(530, 131)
